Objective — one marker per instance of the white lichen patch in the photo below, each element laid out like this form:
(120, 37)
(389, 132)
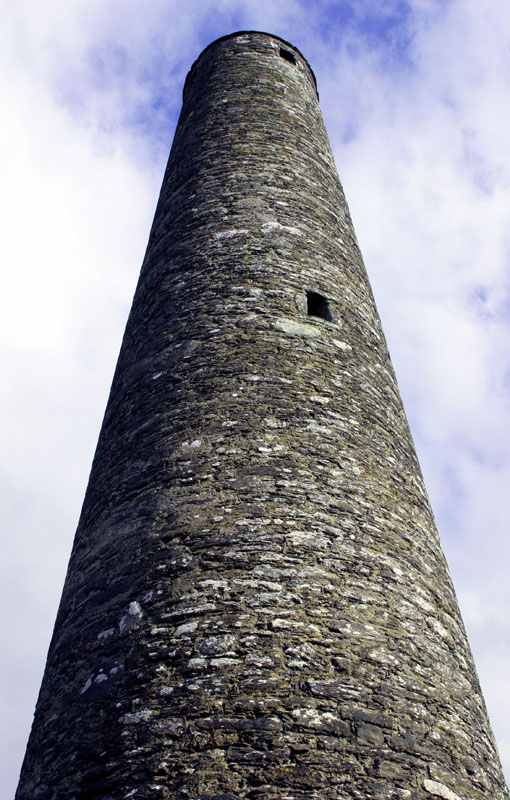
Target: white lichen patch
(273, 422)
(197, 663)
(271, 586)
(231, 233)
(131, 619)
(439, 628)
(279, 624)
(424, 604)
(348, 628)
(307, 539)
(106, 633)
(270, 227)
(253, 660)
(383, 656)
(185, 628)
(311, 718)
(190, 610)
(296, 328)
(137, 716)
(220, 644)
(341, 345)
(439, 790)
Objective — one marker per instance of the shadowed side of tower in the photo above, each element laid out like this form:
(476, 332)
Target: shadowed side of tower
(257, 605)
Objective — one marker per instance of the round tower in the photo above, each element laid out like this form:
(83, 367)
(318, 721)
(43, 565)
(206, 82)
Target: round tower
(257, 605)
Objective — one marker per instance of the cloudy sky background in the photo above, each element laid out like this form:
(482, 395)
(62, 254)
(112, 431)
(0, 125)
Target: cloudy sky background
(415, 97)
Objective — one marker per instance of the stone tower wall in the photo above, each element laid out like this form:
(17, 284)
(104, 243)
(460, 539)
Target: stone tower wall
(257, 605)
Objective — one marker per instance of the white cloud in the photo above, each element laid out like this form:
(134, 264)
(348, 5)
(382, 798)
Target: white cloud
(418, 119)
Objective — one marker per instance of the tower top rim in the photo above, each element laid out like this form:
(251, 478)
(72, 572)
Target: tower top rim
(244, 33)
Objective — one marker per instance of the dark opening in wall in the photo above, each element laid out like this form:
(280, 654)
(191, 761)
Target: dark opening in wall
(318, 306)
(287, 55)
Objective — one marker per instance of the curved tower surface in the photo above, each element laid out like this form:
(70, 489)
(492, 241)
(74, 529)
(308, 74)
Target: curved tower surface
(257, 605)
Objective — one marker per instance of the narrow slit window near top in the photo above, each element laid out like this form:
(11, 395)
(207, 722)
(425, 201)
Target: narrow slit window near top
(287, 55)
(318, 306)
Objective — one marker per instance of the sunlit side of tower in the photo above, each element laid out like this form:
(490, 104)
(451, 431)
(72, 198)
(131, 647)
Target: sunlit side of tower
(257, 605)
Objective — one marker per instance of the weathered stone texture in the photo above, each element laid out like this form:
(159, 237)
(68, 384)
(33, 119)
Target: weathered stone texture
(257, 605)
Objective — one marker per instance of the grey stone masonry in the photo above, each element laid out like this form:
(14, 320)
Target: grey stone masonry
(257, 605)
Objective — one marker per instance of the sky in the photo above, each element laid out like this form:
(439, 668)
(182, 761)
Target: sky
(415, 96)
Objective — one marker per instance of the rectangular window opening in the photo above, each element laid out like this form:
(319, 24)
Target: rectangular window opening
(318, 306)
(287, 55)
